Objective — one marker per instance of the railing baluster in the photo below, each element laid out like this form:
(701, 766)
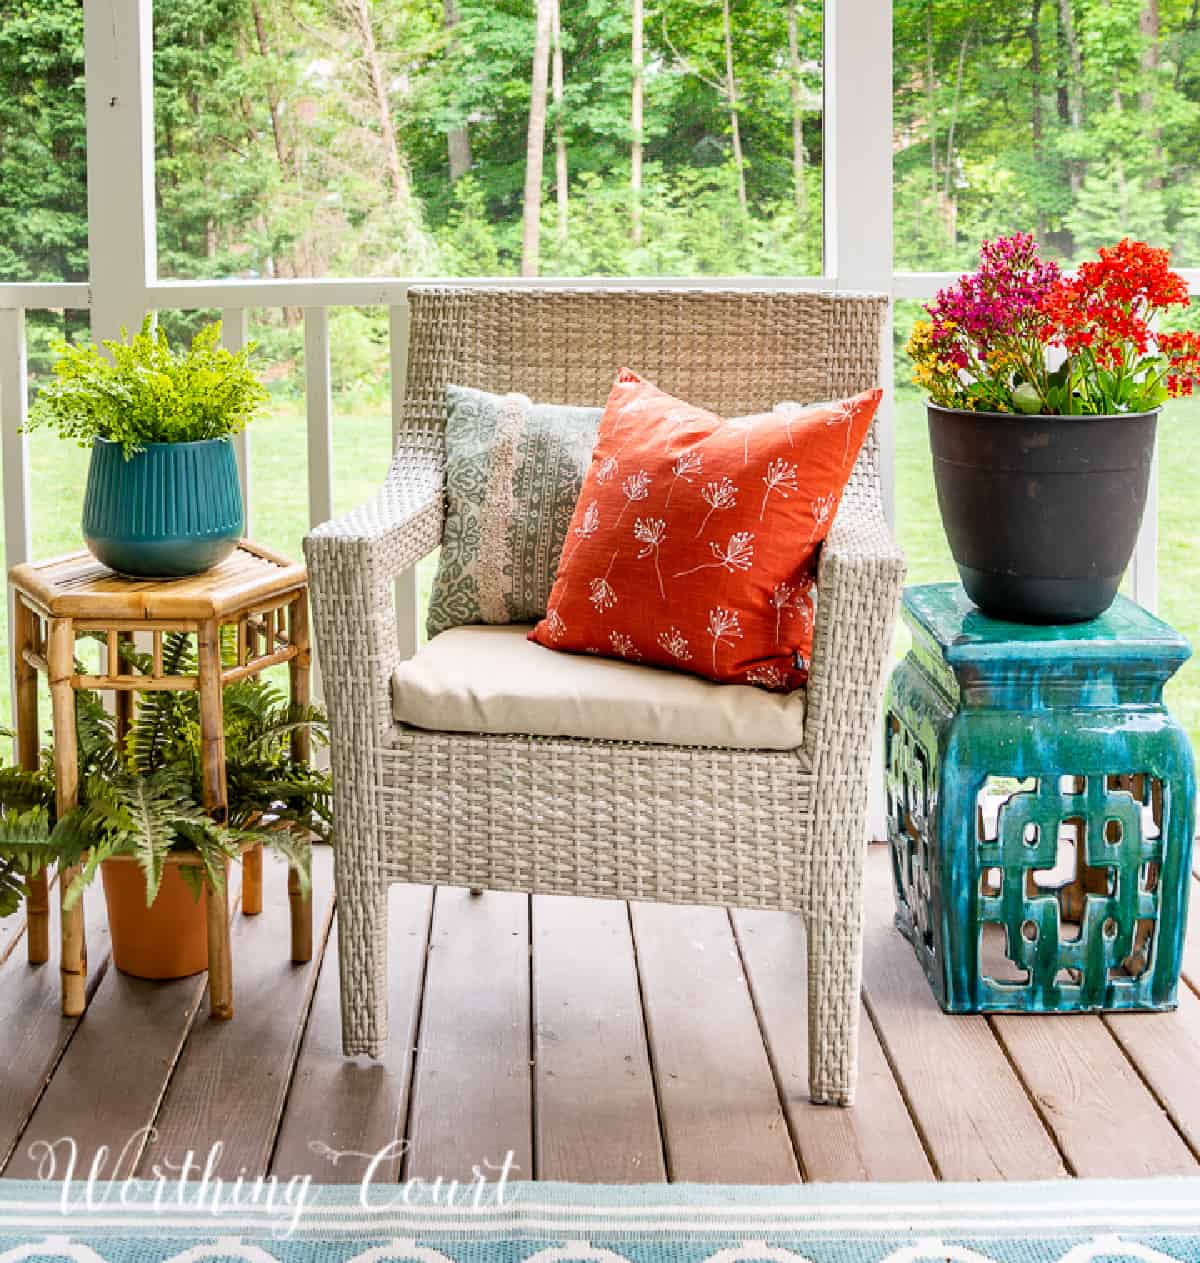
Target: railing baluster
(14, 448)
(318, 400)
(407, 611)
(318, 389)
(235, 333)
(1143, 570)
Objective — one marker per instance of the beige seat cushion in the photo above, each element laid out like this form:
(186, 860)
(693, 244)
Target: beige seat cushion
(491, 679)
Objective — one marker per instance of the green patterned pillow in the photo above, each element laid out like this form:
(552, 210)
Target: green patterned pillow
(513, 474)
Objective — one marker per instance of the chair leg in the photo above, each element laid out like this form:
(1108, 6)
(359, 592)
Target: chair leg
(362, 954)
(834, 1002)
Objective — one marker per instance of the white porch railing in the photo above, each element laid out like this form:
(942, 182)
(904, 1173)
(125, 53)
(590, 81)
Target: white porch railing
(236, 298)
(124, 270)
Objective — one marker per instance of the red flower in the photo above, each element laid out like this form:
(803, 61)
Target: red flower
(1183, 361)
(1106, 306)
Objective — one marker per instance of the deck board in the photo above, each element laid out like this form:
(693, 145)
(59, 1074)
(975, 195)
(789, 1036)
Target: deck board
(721, 1115)
(877, 1139)
(108, 1087)
(663, 1041)
(472, 1097)
(12, 932)
(1104, 1118)
(340, 1108)
(976, 1117)
(1165, 1050)
(596, 1114)
(232, 1079)
(33, 1032)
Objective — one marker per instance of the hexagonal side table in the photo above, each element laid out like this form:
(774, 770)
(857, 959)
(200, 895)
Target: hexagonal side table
(264, 596)
(1040, 804)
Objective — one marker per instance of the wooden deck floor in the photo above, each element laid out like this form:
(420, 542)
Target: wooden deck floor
(597, 1042)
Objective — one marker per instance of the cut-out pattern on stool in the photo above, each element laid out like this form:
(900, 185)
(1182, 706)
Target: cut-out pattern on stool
(1064, 863)
(910, 800)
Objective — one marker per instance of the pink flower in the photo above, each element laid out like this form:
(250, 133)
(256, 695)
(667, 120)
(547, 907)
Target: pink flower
(999, 300)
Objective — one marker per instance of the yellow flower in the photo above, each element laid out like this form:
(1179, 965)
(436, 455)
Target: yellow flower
(920, 341)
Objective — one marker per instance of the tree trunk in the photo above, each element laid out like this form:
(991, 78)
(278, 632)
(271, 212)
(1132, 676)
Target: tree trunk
(949, 202)
(1074, 86)
(286, 267)
(739, 162)
(1189, 26)
(931, 100)
(1061, 69)
(264, 50)
(1035, 76)
(360, 15)
(798, 190)
(458, 139)
(635, 123)
(1035, 95)
(560, 139)
(535, 140)
(1148, 26)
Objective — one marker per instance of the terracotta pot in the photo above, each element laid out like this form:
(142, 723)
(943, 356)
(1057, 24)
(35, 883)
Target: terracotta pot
(168, 939)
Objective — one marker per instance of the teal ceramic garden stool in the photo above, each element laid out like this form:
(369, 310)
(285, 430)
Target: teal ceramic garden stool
(1040, 807)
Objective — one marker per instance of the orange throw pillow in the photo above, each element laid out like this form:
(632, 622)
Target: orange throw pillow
(694, 541)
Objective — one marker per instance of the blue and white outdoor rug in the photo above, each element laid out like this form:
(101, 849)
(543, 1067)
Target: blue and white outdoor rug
(1152, 1221)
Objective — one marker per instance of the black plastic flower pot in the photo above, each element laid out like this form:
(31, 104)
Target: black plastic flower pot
(1042, 512)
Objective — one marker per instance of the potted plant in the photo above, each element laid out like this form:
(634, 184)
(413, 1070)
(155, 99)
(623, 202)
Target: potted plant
(163, 497)
(1044, 396)
(139, 822)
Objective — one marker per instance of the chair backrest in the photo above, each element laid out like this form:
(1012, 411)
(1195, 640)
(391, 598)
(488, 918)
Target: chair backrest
(732, 351)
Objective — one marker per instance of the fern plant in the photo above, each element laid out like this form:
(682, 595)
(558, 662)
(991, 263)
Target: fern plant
(149, 391)
(141, 797)
(26, 800)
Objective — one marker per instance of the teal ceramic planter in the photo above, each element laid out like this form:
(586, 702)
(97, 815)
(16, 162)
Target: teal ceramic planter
(170, 510)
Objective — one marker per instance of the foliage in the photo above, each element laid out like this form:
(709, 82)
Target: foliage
(26, 800)
(43, 193)
(1078, 120)
(991, 339)
(149, 392)
(303, 138)
(141, 797)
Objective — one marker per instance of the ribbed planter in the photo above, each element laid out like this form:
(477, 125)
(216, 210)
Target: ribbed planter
(171, 509)
(1041, 512)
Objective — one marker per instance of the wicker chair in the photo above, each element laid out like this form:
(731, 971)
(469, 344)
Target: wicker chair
(736, 827)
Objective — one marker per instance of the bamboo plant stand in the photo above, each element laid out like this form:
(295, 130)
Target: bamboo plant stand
(264, 596)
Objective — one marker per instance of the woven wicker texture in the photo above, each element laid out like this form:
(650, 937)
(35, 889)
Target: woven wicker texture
(782, 830)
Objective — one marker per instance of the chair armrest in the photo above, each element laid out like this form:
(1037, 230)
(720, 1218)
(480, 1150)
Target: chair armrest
(352, 564)
(859, 582)
(402, 522)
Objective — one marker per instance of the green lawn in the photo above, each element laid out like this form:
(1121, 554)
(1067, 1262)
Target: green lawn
(362, 443)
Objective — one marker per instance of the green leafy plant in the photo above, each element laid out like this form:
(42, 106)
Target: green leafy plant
(26, 801)
(149, 391)
(141, 796)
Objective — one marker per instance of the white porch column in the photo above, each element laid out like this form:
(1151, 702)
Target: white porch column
(858, 176)
(122, 229)
(858, 214)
